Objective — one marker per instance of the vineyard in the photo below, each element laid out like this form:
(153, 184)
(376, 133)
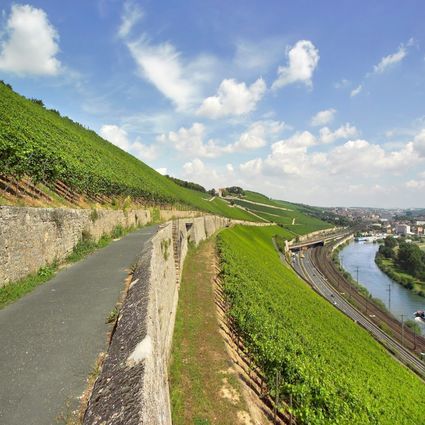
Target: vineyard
(287, 215)
(332, 370)
(47, 148)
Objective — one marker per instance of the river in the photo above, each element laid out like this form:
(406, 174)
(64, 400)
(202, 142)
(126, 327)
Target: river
(361, 255)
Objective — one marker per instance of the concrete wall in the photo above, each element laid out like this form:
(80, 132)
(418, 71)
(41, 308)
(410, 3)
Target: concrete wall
(134, 378)
(31, 238)
(342, 241)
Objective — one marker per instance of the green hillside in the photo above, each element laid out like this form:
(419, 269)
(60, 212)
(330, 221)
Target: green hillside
(286, 214)
(40, 144)
(334, 370)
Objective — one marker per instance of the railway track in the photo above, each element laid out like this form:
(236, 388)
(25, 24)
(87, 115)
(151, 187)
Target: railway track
(316, 271)
(406, 337)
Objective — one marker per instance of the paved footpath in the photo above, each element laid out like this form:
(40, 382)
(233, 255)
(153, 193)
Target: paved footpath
(50, 338)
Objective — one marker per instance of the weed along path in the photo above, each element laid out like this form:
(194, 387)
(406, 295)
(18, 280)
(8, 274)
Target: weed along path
(51, 337)
(205, 388)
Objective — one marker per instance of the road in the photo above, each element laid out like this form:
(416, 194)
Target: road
(309, 272)
(51, 337)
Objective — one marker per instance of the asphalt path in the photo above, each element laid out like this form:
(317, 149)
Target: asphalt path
(51, 337)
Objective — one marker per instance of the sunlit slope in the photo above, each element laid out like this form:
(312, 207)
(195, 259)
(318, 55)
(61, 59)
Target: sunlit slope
(334, 370)
(284, 213)
(40, 144)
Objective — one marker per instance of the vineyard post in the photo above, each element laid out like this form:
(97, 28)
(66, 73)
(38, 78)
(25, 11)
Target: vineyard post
(290, 406)
(276, 399)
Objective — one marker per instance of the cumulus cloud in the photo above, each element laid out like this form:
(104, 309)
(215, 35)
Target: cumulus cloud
(162, 170)
(29, 44)
(346, 131)
(132, 14)
(233, 98)
(190, 141)
(119, 137)
(256, 136)
(116, 135)
(356, 91)
(419, 143)
(302, 61)
(323, 117)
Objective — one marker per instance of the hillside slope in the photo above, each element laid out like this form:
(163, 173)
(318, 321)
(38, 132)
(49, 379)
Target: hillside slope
(287, 215)
(40, 144)
(335, 372)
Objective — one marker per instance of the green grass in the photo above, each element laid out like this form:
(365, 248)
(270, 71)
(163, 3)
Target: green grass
(199, 361)
(303, 223)
(410, 282)
(16, 290)
(334, 370)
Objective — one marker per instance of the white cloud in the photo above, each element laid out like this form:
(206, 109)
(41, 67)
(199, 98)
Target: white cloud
(415, 184)
(115, 135)
(390, 60)
(323, 117)
(161, 65)
(256, 136)
(252, 167)
(29, 44)
(302, 61)
(130, 16)
(119, 137)
(342, 83)
(419, 143)
(195, 166)
(356, 91)
(344, 132)
(233, 98)
(162, 170)
(190, 141)
(145, 152)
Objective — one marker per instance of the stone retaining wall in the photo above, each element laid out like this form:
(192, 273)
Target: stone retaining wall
(133, 386)
(31, 238)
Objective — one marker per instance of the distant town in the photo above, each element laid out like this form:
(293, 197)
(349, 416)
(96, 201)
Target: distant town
(391, 222)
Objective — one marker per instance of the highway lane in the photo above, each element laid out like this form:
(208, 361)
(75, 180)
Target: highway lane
(310, 273)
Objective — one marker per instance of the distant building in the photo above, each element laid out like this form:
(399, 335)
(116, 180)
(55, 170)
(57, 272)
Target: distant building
(420, 223)
(402, 229)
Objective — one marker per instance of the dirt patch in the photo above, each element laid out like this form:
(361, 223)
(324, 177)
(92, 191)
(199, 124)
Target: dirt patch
(254, 392)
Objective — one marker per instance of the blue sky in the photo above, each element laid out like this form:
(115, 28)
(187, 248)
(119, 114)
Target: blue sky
(314, 102)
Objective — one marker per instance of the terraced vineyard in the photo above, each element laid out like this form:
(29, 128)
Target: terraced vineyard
(286, 214)
(335, 372)
(40, 144)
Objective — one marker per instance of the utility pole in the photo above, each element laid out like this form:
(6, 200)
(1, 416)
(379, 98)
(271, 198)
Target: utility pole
(402, 329)
(389, 297)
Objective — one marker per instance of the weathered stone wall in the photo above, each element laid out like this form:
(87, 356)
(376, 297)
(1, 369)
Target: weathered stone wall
(31, 238)
(134, 378)
(167, 215)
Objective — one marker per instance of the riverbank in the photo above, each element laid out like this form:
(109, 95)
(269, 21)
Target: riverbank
(358, 259)
(387, 266)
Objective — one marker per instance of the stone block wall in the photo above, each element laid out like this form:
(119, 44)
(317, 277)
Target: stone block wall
(31, 238)
(142, 341)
